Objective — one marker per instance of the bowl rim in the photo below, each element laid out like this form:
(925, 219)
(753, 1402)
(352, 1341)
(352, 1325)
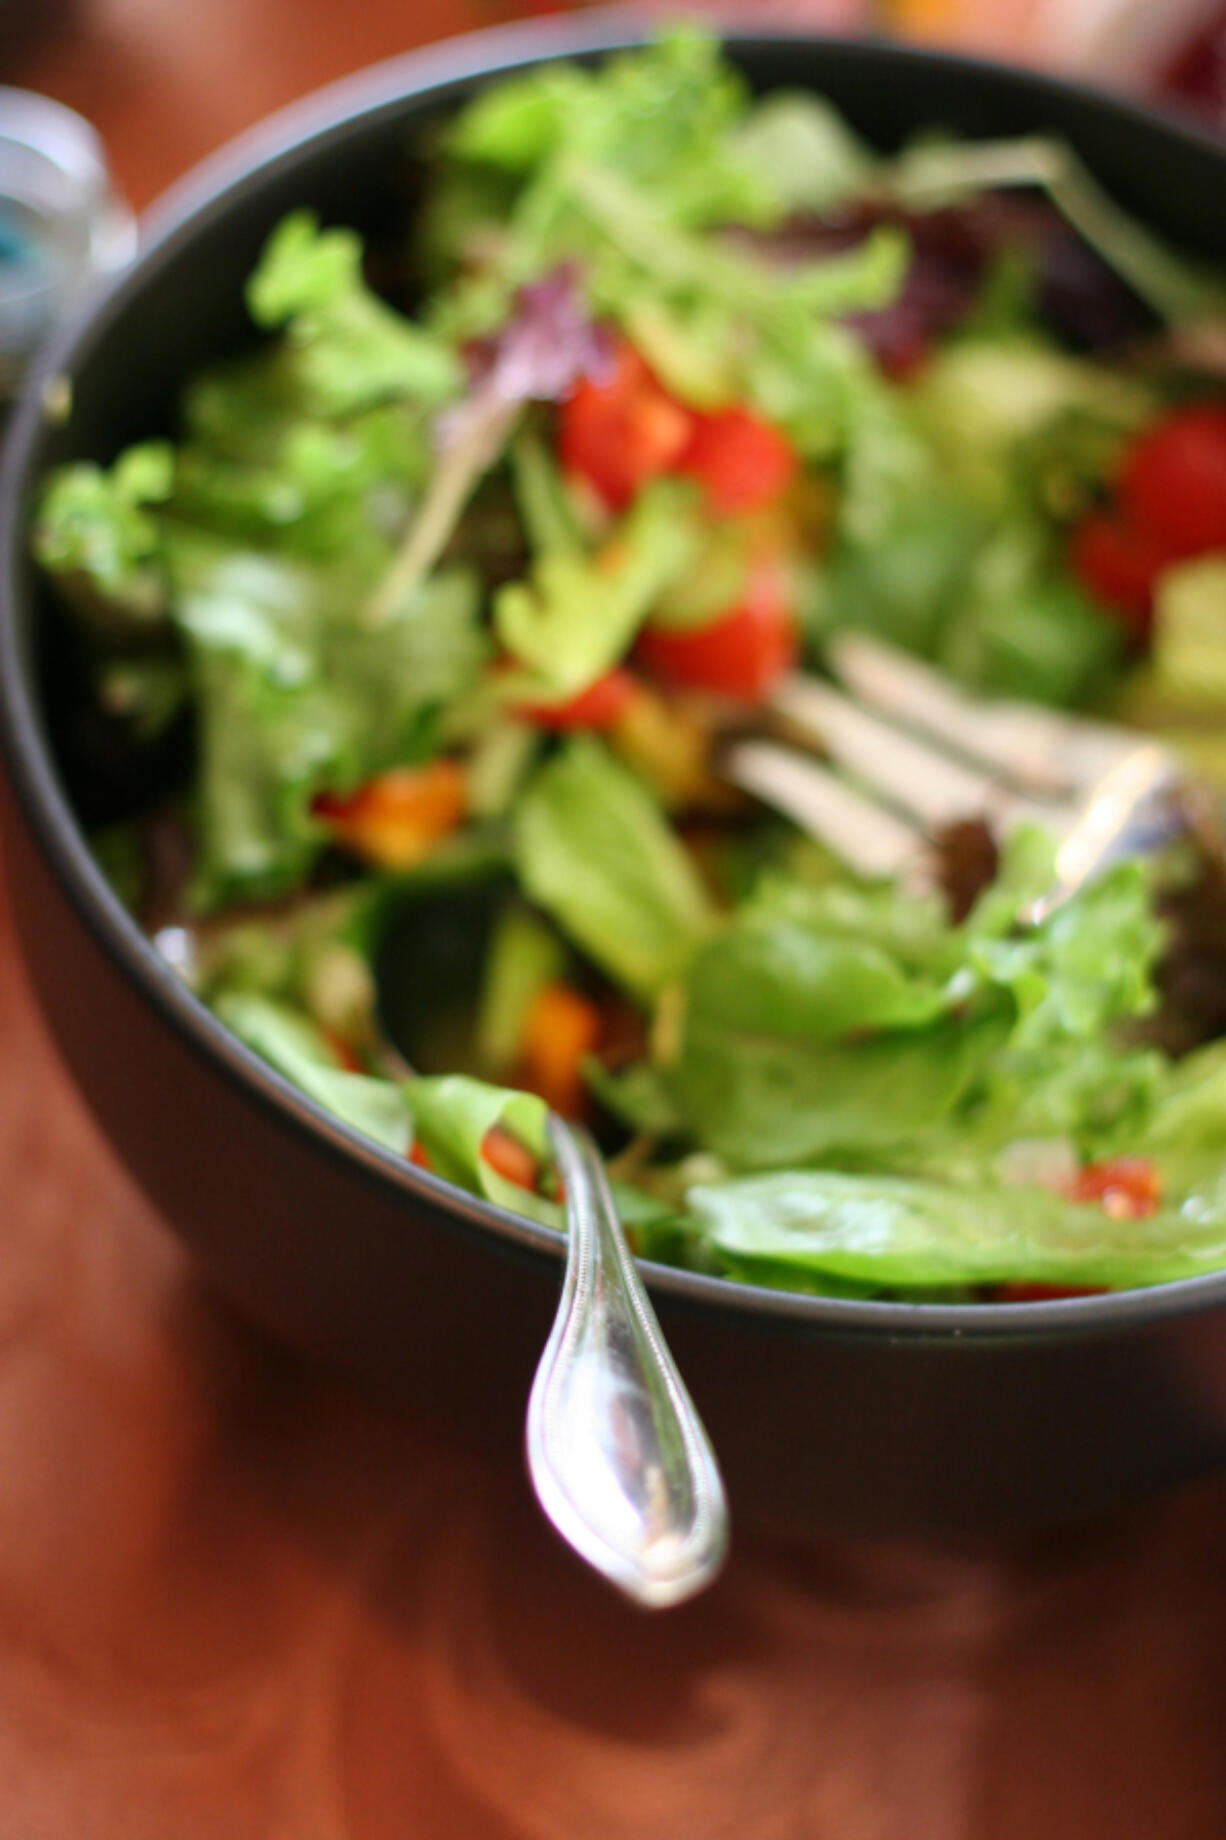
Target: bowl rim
(429, 74)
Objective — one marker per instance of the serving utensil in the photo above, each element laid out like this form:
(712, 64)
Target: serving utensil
(618, 1456)
(906, 754)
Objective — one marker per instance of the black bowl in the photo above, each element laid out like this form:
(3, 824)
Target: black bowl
(876, 1416)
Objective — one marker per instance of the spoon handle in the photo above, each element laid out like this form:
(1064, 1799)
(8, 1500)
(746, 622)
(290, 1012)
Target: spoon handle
(618, 1456)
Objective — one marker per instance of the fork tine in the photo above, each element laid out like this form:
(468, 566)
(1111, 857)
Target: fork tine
(869, 839)
(1043, 752)
(914, 776)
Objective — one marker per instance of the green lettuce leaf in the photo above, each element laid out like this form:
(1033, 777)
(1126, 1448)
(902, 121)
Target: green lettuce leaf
(288, 1042)
(898, 1235)
(295, 694)
(595, 851)
(579, 615)
(905, 584)
(454, 1114)
(96, 531)
(351, 349)
(980, 399)
(761, 1098)
(662, 116)
(805, 152)
(841, 1022)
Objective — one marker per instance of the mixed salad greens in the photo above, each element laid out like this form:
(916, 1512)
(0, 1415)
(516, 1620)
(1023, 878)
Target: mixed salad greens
(430, 618)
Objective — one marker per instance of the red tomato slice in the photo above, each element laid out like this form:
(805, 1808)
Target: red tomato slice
(742, 461)
(598, 706)
(618, 435)
(741, 654)
(1126, 1187)
(1174, 479)
(1118, 563)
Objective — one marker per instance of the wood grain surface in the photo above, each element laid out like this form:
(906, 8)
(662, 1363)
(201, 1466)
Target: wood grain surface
(240, 1603)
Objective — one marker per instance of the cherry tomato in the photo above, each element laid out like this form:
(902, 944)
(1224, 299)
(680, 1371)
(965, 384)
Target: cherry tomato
(618, 435)
(1126, 1187)
(599, 706)
(1173, 479)
(741, 460)
(1118, 563)
(510, 1159)
(741, 654)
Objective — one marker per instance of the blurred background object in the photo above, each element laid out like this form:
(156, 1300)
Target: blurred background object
(24, 23)
(1171, 50)
(61, 222)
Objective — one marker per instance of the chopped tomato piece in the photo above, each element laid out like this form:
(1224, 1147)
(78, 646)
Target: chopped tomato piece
(1126, 1187)
(563, 1027)
(421, 1157)
(599, 706)
(742, 461)
(742, 654)
(1173, 479)
(1119, 563)
(394, 820)
(510, 1159)
(618, 435)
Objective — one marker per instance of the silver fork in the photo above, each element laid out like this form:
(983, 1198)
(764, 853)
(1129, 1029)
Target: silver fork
(907, 754)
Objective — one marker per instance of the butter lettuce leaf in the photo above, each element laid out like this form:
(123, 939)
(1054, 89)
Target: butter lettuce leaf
(298, 1050)
(453, 1116)
(896, 1234)
(595, 851)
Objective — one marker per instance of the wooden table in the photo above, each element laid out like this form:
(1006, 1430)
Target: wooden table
(239, 1603)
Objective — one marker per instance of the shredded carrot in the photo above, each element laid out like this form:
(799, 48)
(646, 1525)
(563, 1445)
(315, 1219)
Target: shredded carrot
(421, 1157)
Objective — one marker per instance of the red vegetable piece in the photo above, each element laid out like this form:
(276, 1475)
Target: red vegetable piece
(1173, 479)
(510, 1159)
(343, 1052)
(741, 460)
(1041, 1293)
(598, 706)
(1118, 563)
(396, 819)
(421, 1157)
(618, 435)
(742, 654)
(1126, 1187)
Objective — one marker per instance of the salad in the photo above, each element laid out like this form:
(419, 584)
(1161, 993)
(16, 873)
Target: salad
(430, 618)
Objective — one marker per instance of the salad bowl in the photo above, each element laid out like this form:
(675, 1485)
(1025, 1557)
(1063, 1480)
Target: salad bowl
(837, 1412)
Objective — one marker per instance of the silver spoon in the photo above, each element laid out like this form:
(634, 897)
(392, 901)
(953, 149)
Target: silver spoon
(618, 1456)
